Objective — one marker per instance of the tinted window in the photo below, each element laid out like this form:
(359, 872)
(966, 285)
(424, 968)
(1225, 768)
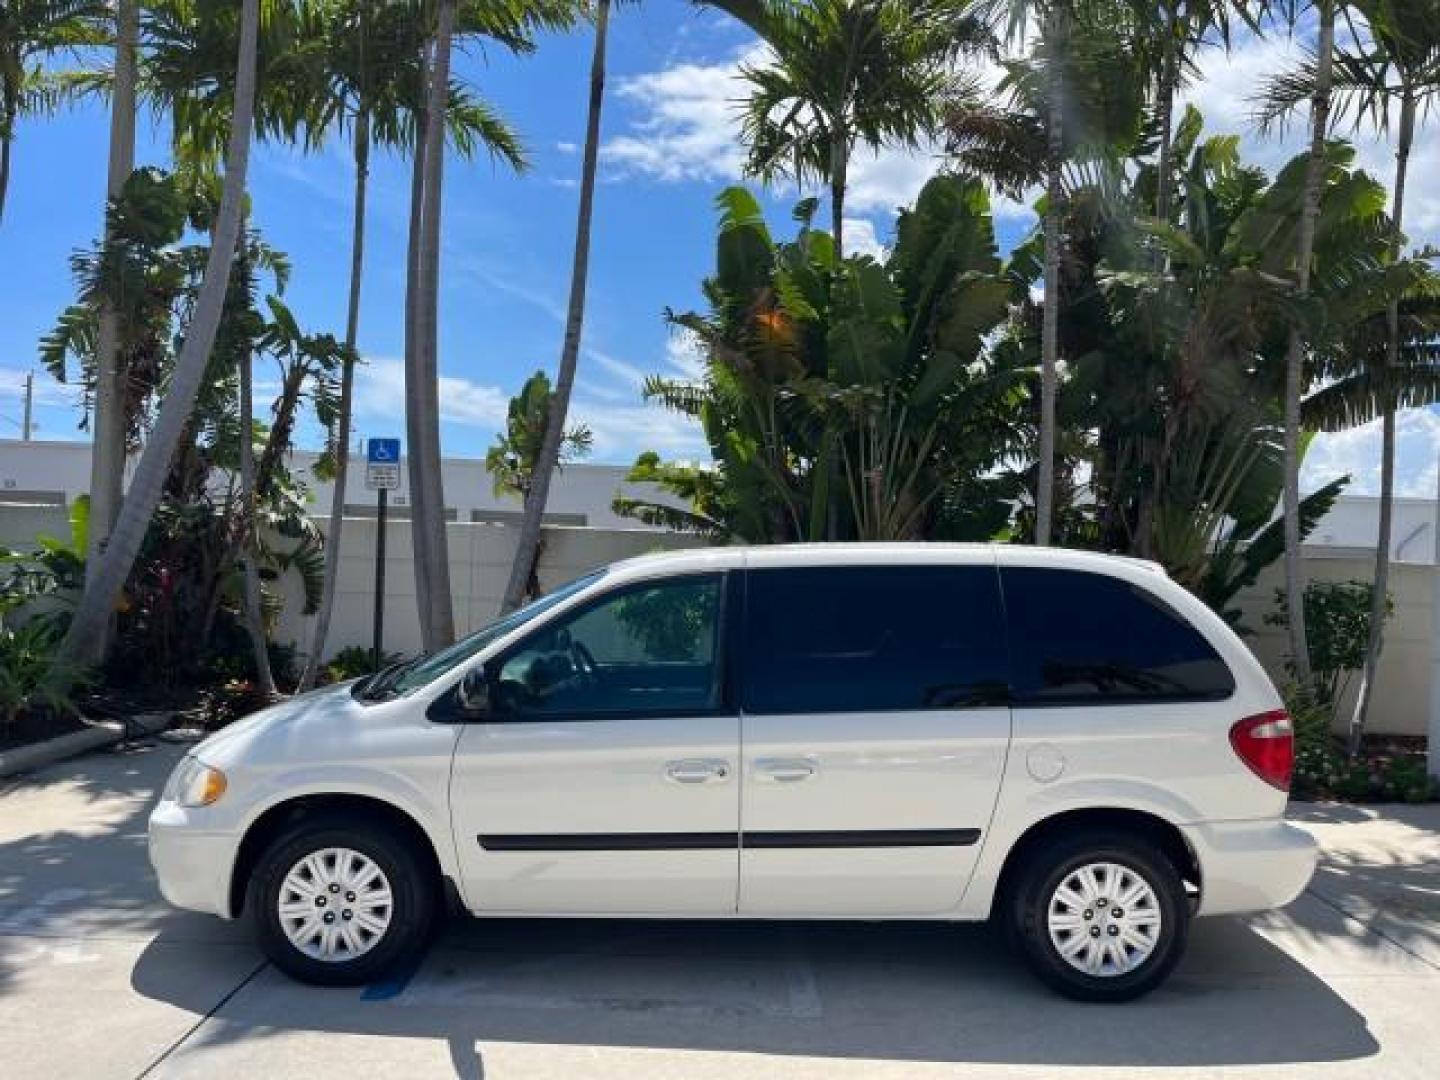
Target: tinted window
(1079, 638)
(648, 649)
(850, 639)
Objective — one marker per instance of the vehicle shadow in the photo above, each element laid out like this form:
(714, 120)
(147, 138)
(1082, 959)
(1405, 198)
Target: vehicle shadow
(900, 992)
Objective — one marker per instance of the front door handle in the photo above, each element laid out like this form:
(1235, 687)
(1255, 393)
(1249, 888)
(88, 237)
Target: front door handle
(697, 770)
(785, 770)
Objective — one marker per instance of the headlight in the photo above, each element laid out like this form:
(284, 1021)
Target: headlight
(193, 783)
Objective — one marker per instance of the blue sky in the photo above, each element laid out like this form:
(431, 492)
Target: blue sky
(669, 147)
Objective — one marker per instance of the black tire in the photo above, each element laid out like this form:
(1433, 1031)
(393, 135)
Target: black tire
(413, 889)
(1047, 868)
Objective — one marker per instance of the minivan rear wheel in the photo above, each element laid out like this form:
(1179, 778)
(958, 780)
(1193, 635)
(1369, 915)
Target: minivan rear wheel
(1100, 916)
(341, 904)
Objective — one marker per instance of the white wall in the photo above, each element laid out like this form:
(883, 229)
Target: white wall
(1401, 703)
(580, 494)
(480, 559)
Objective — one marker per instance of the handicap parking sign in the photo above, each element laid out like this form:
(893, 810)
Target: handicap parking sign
(382, 464)
(382, 451)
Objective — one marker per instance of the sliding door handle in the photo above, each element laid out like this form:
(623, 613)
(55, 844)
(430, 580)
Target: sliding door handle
(785, 770)
(697, 770)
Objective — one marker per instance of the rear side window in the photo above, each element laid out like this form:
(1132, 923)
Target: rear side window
(1078, 638)
(854, 639)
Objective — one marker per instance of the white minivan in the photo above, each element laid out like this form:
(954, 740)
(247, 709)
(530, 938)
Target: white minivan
(1067, 743)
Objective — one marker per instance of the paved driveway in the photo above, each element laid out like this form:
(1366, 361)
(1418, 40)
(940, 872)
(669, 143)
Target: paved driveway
(99, 979)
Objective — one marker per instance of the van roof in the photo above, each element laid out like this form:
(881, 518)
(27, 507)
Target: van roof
(851, 554)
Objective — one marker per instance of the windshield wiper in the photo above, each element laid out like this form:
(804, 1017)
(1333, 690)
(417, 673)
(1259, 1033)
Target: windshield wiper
(377, 685)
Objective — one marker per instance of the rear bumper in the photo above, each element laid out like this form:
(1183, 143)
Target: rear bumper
(1250, 865)
(193, 865)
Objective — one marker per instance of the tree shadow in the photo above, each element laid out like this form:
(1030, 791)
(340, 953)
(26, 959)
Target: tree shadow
(72, 855)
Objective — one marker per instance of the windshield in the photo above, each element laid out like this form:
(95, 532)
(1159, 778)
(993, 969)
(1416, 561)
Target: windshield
(413, 674)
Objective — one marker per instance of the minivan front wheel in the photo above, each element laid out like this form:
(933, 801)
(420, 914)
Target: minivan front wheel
(341, 905)
(1100, 917)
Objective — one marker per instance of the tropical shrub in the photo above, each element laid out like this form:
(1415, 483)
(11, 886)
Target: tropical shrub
(52, 567)
(354, 661)
(1337, 614)
(850, 399)
(32, 676)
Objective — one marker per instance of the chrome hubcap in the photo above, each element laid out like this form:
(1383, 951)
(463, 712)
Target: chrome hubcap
(335, 905)
(1104, 919)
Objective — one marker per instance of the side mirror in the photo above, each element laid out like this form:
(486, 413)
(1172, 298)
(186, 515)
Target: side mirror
(473, 693)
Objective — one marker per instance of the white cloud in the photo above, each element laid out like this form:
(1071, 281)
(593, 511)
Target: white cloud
(860, 239)
(688, 129)
(380, 392)
(685, 355)
(622, 425)
(567, 147)
(47, 391)
(623, 431)
(1226, 92)
(627, 373)
(1357, 452)
(688, 125)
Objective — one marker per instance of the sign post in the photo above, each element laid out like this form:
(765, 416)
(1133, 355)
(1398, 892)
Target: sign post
(382, 475)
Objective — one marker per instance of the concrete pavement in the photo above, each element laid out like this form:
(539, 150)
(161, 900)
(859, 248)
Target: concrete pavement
(99, 979)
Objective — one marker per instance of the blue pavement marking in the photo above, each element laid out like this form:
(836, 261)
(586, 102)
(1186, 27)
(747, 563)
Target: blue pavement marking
(395, 985)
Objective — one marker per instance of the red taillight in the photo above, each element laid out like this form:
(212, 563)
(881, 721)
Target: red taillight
(1266, 743)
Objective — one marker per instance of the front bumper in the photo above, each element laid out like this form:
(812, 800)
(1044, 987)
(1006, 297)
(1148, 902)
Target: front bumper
(1250, 865)
(193, 864)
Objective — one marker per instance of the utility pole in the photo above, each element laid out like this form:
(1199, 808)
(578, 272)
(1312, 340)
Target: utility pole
(26, 425)
(1434, 729)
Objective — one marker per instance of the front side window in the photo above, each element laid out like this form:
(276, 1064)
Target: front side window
(423, 670)
(649, 649)
(1079, 638)
(862, 638)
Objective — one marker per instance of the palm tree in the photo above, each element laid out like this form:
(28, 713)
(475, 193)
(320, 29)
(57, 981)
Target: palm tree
(254, 619)
(513, 458)
(1077, 100)
(376, 87)
(107, 461)
(103, 585)
(528, 544)
(1397, 73)
(422, 405)
(847, 73)
(1295, 346)
(1181, 28)
(32, 31)
(1057, 32)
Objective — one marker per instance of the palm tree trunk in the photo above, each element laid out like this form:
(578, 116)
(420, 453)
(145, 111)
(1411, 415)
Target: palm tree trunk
(5, 141)
(1165, 95)
(111, 428)
(549, 457)
(111, 424)
(412, 378)
(249, 553)
(102, 587)
(1050, 318)
(347, 395)
(1295, 352)
(1379, 601)
(426, 487)
(839, 168)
